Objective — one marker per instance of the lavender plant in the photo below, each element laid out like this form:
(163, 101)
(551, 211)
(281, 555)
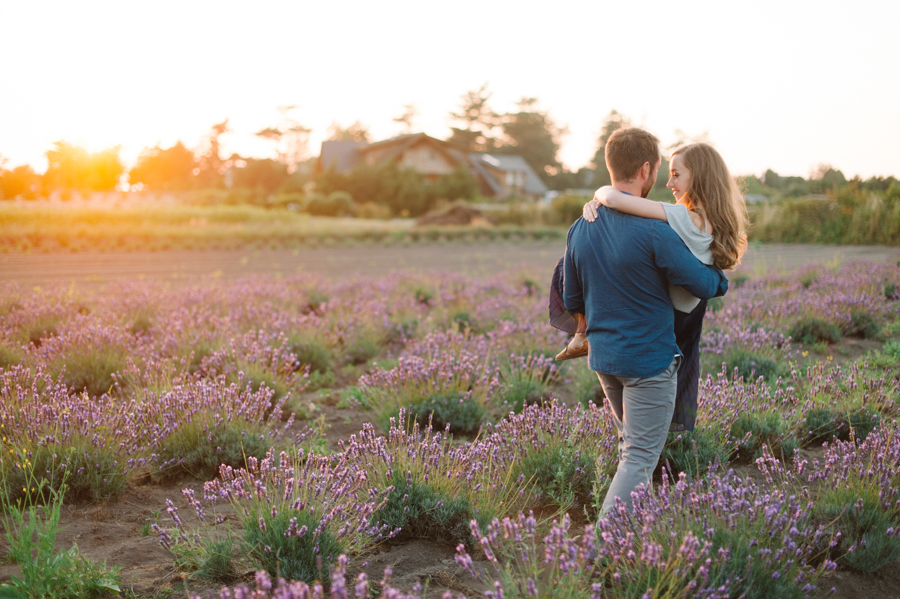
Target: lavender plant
(435, 486)
(563, 452)
(858, 495)
(298, 513)
(340, 587)
(720, 537)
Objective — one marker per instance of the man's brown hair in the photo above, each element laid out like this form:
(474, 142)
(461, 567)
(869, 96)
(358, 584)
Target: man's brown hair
(627, 149)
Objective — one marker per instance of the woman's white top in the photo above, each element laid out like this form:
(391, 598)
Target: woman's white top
(697, 242)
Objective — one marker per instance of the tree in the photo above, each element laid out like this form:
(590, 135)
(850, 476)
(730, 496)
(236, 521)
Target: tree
(406, 119)
(265, 174)
(459, 184)
(683, 139)
(532, 134)
(290, 137)
(825, 178)
(211, 165)
(771, 179)
(165, 169)
(354, 132)
(21, 181)
(402, 189)
(612, 123)
(72, 167)
(477, 122)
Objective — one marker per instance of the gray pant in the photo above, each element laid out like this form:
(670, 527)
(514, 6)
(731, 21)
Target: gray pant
(642, 410)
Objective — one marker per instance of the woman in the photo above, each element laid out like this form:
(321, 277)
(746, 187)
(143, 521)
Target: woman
(711, 218)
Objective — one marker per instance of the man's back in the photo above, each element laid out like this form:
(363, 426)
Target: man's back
(617, 272)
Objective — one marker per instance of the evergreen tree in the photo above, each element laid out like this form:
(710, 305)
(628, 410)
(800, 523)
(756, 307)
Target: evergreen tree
(477, 122)
(532, 134)
(612, 123)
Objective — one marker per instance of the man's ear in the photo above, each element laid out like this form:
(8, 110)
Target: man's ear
(645, 170)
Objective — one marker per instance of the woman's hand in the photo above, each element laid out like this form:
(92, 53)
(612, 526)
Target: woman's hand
(589, 212)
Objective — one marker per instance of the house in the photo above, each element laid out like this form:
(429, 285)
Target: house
(499, 176)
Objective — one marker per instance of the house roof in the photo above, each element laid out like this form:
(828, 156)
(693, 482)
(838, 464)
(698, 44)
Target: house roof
(344, 155)
(506, 163)
(395, 146)
(341, 155)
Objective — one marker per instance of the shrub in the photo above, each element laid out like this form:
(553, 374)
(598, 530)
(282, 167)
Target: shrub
(374, 211)
(440, 480)
(415, 381)
(96, 473)
(421, 511)
(362, 348)
(820, 425)
(564, 453)
(311, 350)
(754, 430)
(337, 203)
(454, 412)
(692, 452)
(89, 369)
(42, 328)
(862, 324)
(812, 330)
(586, 385)
(718, 537)
(749, 366)
(824, 424)
(298, 512)
(862, 422)
(10, 355)
(566, 209)
(525, 381)
(218, 562)
(278, 545)
(199, 448)
(887, 357)
(862, 522)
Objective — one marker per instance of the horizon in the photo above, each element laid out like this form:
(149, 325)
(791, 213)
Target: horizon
(786, 88)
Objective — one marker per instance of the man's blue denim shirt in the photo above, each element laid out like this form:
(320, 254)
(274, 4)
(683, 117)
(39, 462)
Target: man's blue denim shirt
(617, 272)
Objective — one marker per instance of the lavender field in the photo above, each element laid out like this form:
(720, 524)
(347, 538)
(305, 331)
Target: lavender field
(227, 433)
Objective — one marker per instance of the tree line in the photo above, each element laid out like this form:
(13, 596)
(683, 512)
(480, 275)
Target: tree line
(526, 130)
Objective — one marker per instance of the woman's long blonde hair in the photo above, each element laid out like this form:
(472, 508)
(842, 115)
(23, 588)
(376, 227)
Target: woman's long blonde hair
(715, 195)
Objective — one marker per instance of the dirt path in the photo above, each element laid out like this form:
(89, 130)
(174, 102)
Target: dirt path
(339, 262)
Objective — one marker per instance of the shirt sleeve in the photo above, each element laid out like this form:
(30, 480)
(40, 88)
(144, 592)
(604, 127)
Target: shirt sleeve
(573, 294)
(681, 267)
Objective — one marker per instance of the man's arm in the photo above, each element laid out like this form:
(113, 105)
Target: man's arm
(680, 267)
(573, 294)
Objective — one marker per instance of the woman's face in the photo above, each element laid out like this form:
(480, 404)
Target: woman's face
(679, 177)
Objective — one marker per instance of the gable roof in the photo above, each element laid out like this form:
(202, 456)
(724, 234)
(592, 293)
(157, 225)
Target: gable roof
(341, 155)
(396, 146)
(344, 155)
(506, 163)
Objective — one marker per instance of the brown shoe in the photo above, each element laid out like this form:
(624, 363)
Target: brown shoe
(571, 353)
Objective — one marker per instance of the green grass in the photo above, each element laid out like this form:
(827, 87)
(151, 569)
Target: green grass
(30, 533)
(142, 228)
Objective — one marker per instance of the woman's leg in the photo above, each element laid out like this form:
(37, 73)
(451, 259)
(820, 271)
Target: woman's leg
(688, 331)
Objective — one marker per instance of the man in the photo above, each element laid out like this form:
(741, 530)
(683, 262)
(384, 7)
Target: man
(617, 272)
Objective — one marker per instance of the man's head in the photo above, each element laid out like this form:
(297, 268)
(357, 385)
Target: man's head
(633, 158)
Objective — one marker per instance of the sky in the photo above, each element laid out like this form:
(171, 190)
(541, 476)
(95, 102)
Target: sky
(781, 84)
